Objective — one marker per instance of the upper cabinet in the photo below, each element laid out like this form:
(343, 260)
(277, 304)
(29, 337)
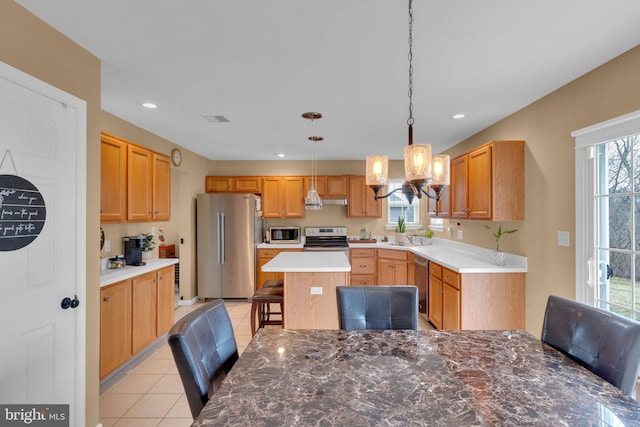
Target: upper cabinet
(442, 207)
(329, 185)
(135, 183)
(488, 182)
(361, 199)
(113, 180)
(283, 197)
(233, 184)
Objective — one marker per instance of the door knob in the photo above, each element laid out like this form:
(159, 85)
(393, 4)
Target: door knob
(69, 303)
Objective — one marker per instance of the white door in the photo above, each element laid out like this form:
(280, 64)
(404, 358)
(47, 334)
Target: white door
(43, 142)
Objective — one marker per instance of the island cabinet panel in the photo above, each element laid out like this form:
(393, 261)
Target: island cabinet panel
(310, 299)
(115, 326)
(363, 266)
(264, 256)
(392, 267)
(488, 182)
(474, 300)
(144, 311)
(113, 180)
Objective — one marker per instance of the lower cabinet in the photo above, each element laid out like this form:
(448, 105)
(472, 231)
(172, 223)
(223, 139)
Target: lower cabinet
(363, 266)
(475, 300)
(264, 256)
(133, 314)
(115, 326)
(392, 267)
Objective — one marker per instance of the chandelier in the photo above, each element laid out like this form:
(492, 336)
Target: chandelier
(312, 201)
(420, 167)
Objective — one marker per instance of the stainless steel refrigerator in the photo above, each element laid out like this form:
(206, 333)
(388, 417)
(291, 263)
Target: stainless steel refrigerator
(229, 228)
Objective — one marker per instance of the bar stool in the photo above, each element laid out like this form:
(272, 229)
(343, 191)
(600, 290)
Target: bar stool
(260, 302)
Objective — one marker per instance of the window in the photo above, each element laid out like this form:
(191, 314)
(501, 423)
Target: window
(399, 207)
(608, 215)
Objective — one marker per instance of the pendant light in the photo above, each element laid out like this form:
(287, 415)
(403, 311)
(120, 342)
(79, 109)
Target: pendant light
(312, 201)
(418, 160)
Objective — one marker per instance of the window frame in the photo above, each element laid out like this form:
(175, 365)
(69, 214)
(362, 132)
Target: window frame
(392, 220)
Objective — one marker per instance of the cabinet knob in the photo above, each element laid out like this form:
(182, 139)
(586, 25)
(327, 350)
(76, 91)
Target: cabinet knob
(467, 210)
(106, 299)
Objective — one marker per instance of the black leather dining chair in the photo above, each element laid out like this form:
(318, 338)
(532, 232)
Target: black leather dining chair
(378, 307)
(204, 349)
(602, 341)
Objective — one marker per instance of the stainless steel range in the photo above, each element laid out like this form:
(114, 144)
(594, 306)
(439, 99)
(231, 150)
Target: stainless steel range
(326, 239)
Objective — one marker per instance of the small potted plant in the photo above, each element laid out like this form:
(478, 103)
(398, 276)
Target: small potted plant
(429, 235)
(147, 246)
(401, 228)
(500, 257)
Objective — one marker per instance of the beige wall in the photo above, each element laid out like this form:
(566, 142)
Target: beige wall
(32, 46)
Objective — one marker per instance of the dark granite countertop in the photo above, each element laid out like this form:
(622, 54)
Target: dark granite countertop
(408, 378)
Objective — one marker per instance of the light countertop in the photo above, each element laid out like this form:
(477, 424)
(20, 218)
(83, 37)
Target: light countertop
(311, 262)
(115, 275)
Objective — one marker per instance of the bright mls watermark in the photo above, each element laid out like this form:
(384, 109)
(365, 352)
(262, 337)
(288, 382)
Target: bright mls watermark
(34, 415)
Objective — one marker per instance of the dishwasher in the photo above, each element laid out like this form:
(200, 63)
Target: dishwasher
(421, 277)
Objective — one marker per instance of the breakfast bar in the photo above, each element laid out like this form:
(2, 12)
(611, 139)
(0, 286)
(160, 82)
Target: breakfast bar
(310, 281)
(412, 378)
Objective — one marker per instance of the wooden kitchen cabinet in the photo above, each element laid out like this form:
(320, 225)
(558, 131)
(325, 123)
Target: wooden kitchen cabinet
(361, 199)
(115, 326)
(264, 256)
(475, 301)
(165, 299)
(363, 266)
(233, 184)
(139, 183)
(113, 180)
(488, 182)
(283, 197)
(161, 188)
(143, 313)
(441, 208)
(328, 185)
(391, 267)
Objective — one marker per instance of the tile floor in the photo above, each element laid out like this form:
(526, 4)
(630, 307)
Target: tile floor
(149, 392)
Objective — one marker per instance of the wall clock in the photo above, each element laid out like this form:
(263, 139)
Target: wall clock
(176, 157)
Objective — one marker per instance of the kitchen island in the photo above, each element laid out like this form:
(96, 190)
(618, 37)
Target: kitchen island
(310, 281)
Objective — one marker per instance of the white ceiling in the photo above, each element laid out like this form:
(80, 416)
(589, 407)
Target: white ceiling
(261, 64)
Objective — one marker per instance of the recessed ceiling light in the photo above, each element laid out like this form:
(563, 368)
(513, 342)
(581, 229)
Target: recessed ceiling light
(150, 105)
(280, 155)
(458, 116)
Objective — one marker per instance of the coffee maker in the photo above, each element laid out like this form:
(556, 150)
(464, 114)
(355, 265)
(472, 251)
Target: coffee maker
(133, 250)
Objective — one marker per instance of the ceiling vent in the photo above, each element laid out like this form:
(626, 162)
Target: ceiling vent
(215, 119)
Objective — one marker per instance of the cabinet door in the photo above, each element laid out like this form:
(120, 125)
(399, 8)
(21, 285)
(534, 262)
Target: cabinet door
(480, 183)
(451, 307)
(362, 201)
(337, 186)
(165, 299)
(139, 172)
(143, 311)
(293, 197)
(271, 197)
(218, 184)
(385, 273)
(320, 185)
(113, 180)
(115, 326)
(161, 188)
(441, 208)
(459, 184)
(247, 184)
(435, 301)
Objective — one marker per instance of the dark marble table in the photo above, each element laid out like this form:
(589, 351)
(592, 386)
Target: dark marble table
(407, 378)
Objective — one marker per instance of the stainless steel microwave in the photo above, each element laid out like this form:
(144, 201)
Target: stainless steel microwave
(284, 235)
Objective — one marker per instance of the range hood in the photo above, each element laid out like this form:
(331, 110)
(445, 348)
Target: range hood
(334, 202)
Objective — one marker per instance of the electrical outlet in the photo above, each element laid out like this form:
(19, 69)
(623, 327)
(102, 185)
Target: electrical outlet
(460, 234)
(316, 290)
(563, 238)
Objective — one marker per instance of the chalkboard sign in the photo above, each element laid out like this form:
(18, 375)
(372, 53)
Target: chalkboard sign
(22, 212)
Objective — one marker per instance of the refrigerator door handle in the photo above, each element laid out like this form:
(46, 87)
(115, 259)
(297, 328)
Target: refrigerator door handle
(223, 238)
